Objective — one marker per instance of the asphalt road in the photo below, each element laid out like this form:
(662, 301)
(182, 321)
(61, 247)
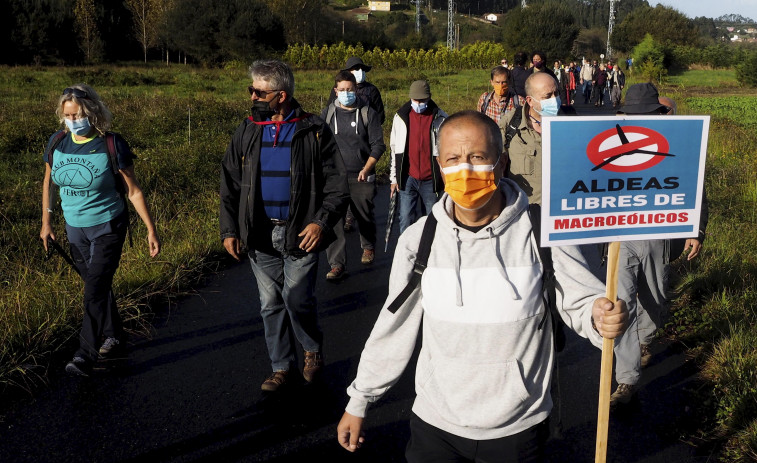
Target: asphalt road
(190, 391)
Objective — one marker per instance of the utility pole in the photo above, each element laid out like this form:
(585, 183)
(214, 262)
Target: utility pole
(417, 16)
(451, 24)
(609, 27)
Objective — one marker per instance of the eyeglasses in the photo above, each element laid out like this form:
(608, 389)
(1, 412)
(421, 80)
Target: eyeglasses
(76, 92)
(260, 93)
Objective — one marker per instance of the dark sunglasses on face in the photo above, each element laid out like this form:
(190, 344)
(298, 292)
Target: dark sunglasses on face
(76, 92)
(260, 93)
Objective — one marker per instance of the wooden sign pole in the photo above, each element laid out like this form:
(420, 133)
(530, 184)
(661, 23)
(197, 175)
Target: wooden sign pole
(605, 375)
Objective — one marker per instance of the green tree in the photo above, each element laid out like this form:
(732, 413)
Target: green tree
(665, 24)
(549, 27)
(214, 31)
(304, 20)
(86, 26)
(590, 43)
(650, 56)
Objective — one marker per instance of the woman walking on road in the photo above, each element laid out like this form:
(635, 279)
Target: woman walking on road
(95, 172)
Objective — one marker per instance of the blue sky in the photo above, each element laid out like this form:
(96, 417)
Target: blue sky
(712, 8)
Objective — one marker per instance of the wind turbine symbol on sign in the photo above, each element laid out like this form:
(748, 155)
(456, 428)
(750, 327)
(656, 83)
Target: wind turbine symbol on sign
(624, 141)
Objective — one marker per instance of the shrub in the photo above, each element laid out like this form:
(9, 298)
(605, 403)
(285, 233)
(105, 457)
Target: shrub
(745, 70)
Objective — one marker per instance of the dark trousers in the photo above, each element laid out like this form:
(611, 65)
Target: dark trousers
(96, 251)
(430, 444)
(362, 195)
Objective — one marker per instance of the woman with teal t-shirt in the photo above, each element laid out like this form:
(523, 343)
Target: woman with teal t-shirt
(95, 212)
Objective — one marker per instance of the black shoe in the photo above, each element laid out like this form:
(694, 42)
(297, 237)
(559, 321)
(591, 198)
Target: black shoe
(79, 366)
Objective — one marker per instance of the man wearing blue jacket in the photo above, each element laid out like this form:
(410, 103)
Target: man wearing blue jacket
(484, 369)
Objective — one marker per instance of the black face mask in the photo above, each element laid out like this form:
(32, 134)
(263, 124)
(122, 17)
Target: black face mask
(263, 109)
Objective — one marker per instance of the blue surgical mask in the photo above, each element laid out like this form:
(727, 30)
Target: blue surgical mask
(418, 107)
(359, 75)
(80, 127)
(346, 98)
(550, 106)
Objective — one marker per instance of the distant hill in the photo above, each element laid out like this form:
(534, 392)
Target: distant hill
(733, 19)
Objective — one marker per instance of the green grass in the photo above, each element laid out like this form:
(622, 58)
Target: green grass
(704, 78)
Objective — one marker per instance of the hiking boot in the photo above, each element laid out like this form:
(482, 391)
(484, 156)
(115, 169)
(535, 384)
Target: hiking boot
(313, 365)
(336, 273)
(348, 223)
(275, 382)
(368, 256)
(109, 345)
(646, 355)
(79, 366)
(623, 394)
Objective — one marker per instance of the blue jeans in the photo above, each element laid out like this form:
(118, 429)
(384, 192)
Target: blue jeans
(409, 200)
(586, 90)
(287, 305)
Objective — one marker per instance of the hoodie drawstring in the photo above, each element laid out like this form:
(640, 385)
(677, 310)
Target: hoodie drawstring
(502, 270)
(458, 279)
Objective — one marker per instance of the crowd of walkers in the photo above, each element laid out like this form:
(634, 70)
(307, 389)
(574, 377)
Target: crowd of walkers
(467, 275)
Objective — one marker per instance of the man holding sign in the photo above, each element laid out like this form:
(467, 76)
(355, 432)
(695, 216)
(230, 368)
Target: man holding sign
(485, 365)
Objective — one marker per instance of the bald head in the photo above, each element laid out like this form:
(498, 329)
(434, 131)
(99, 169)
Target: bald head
(670, 103)
(539, 84)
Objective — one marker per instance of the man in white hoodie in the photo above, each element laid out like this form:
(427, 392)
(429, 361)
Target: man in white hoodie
(484, 369)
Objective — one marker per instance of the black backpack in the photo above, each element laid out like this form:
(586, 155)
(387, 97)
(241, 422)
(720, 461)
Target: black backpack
(548, 275)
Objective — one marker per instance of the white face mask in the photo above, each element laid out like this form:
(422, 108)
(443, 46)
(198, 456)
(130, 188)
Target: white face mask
(359, 75)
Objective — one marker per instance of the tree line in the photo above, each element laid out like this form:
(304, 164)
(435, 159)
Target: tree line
(212, 32)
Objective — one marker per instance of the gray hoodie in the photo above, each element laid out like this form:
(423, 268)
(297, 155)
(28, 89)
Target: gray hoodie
(485, 365)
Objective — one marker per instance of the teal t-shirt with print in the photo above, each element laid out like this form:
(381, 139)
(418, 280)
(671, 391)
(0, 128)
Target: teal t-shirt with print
(82, 170)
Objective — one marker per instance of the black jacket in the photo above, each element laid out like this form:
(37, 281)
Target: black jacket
(370, 95)
(319, 190)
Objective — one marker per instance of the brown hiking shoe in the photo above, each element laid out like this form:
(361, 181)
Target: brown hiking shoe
(313, 365)
(336, 273)
(646, 355)
(368, 256)
(623, 394)
(275, 382)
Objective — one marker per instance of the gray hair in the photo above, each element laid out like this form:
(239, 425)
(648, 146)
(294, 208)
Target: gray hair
(278, 75)
(91, 106)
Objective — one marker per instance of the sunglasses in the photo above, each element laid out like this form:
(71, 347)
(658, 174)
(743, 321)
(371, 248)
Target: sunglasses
(76, 92)
(260, 93)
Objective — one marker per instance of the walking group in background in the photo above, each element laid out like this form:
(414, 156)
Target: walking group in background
(292, 183)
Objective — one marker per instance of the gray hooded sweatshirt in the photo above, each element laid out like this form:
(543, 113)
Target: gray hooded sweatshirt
(485, 365)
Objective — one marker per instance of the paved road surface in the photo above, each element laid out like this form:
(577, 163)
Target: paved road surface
(191, 391)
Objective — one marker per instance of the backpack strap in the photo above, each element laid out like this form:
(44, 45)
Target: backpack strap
(110, 145)
(513, 127)
(57, 138)
(421, 261)
(487, 100)
(364, 115)
(547, 279)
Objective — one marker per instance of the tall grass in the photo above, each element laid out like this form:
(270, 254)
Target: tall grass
(716, 313)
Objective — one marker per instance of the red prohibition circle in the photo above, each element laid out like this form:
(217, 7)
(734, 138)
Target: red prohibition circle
(652, 138)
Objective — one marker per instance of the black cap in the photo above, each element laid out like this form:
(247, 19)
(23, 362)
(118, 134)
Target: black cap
(354, 62)
(642, 99)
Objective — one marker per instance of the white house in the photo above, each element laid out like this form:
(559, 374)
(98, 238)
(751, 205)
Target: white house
(379, 6)
(491, 17)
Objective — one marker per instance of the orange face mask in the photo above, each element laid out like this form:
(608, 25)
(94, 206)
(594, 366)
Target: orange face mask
(500, 89)
(470, 186)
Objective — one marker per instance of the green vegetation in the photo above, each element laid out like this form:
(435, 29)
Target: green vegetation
(716, 311)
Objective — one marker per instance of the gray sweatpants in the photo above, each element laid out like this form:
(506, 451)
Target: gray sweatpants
(643, 273)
